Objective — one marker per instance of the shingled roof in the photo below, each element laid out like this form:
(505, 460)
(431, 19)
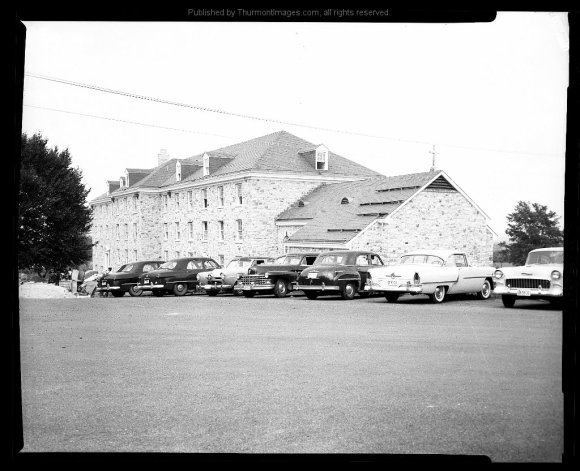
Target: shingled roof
(337, 212)
(276, 152)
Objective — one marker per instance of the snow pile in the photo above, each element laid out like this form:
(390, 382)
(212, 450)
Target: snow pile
(31, 289)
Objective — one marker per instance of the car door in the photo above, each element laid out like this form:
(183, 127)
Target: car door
(470, 278)
(363, 263)
(455, 271)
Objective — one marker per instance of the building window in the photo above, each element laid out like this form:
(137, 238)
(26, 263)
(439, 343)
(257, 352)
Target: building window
(204, 200)
(177, 200)
(239, 233)
(164, 201)
(126, 234)
(221, 229)
(134, 255)
(135, 230)
(178, 171)
(117, 232)
(205, 165)
(190, 254)
(321, 160)
(190, 230)
(126, 255)
(166, 231)
(239, 196)
(165, 255)
(220, 195)
(177, 231)
(344, 201)
(134, 203)
(125, 204)
(204, 230)
(107, 231)
(177, 254)
(221, 259)
(189, 200)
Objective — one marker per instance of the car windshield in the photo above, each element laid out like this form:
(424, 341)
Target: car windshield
(421, 260)
(239, 263)
(545, 257)
(170, 265)
(126, 268)
(289, 260)
(331, 259)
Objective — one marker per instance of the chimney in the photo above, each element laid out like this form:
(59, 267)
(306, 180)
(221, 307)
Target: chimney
(162, 157)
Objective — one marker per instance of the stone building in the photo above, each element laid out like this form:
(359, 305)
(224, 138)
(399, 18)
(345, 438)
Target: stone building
(390, 216)
(278, 193)
(221, 203)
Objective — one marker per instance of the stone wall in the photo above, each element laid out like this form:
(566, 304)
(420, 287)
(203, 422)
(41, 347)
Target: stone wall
(434, 219)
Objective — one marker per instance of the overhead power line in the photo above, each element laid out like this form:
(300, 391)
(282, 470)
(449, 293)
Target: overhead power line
(270, 120)
(131, 122)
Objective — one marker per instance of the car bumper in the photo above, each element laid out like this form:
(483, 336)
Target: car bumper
(108, 288)
(251, 286)
(151, 287)
(555, 292)
(216, 286)
(399, 288)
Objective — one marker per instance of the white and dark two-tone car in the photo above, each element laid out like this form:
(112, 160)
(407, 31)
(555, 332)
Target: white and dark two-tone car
(541, 277)
(435, 273)
(224, 279)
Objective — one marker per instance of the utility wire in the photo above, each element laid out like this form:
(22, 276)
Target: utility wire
(258, 118)
(131, 122)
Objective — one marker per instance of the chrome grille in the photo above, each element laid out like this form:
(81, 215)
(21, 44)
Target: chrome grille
(256, 279)
(527, 283)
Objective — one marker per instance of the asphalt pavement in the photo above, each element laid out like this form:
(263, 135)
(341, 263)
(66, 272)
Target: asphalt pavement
(228, 374)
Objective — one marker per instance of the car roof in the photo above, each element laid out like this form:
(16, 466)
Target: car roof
(557, 249)
(443, 253)
(354, 252)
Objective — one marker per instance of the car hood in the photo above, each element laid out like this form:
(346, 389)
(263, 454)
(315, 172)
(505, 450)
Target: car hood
(535, 271)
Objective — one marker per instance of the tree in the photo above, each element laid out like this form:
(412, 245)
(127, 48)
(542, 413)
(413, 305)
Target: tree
(531, 226)
(53, 218)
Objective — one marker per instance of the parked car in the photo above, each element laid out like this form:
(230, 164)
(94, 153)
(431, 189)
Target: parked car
(126, 278)
(542, 277)
(337, 272)
(222, 280)
(435, 273)
(276, 277)
(177, 276)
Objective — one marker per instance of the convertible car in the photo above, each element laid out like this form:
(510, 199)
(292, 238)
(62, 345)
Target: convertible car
(222, 280)
(337, 272)
(540, 278)
(177, 276)
(125, 279)
(435, 273)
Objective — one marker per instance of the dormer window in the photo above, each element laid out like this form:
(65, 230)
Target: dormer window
(205, 165)
(344, 201)
(178, 172)
(300, 204)
(321, 158)
(127, 178)
(121, 182)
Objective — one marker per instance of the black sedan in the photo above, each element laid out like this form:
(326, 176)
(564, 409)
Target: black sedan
(338, 272)
(177, 276)
(125, 279)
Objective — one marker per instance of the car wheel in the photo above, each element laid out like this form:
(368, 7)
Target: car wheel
(249, 294)
(311, 294)
(117, 294)
(280, 288)
(485, 292)
(392, 297)
(212, 293)
(158, 293)
(237, 290)
(348, 291)
(134, 291)
(439, 295)
(508, 301)
(179, 289)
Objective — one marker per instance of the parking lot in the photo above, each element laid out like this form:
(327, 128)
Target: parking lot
(265, 375)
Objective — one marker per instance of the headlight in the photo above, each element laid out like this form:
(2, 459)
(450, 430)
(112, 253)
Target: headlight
(266, 275)
(417, 279)
(222, 275)
(556, 275)
(209, 277)
(498, 274)
(197, 277)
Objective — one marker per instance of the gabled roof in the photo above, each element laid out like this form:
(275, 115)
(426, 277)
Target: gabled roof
(276, 152)
(329, 220)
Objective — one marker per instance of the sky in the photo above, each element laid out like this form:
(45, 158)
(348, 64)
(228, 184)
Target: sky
(491, 97)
